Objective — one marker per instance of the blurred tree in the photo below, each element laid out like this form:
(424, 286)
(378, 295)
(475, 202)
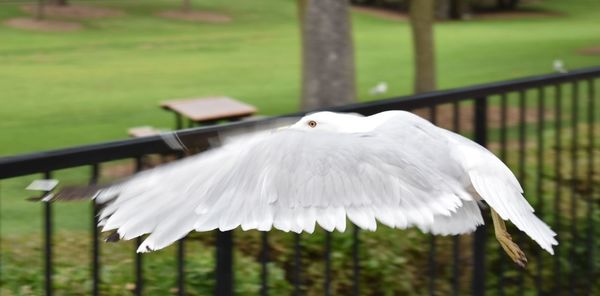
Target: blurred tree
(421, 19)
(452, 9)
(460, 9)
(507, 4)
(442, 9)
(41, 4)
(186, 5)
(328, 77)
(58, 2)
(39, 11)
(445, 9)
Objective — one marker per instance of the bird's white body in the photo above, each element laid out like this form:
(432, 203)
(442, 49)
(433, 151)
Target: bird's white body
(393, 167)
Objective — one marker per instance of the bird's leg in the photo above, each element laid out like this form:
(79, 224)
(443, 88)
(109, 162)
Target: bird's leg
(511, 249)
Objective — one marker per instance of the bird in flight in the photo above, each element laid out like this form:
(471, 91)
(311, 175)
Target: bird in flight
(394, 168)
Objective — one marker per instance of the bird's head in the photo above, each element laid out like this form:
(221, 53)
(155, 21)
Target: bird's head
(331, 122)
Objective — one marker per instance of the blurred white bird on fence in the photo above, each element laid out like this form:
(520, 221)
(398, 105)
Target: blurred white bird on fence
(379, 89)
(393, 167)
(559, 66)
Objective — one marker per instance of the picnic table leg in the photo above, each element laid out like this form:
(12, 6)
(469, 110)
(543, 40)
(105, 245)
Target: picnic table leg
(207, 123)
(178, 121)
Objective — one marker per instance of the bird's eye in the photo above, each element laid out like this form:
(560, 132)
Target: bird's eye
(312, 123)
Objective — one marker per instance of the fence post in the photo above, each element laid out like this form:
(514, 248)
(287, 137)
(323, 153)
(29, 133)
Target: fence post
(139, 258)
(297, 266)
(356, 261)
(480, 125)
(224, 268)
(48, 243)
(264, 260)
(95, 236)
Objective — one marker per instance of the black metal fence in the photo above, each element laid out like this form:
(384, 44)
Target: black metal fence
(544, 127)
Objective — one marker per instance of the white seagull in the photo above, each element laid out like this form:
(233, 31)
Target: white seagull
(559, 66)
(393, 167)
(379, 88)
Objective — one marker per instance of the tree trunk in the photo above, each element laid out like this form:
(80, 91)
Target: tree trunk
(443, 9)
(327, 53)
(512, 4)
(421, 18)
(459, 9)
(500, 5)
(39, 11)
(58, 2)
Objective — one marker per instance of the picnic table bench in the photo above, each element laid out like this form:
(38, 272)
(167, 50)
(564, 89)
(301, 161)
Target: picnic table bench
(142, 131)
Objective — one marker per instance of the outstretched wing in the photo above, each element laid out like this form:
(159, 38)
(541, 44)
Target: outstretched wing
(497, 185)
(290, 180)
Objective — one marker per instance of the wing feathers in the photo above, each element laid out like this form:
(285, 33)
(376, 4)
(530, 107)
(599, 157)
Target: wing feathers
(511, 205)
(404, 173)
(464, 220)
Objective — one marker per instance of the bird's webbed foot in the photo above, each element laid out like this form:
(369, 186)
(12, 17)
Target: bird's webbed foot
(506, 242)
(512, 250)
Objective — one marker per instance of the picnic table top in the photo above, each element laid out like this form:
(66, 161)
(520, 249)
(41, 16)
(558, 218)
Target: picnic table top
(209, 108)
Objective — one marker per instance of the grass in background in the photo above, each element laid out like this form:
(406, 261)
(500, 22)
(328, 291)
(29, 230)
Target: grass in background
(63, 89)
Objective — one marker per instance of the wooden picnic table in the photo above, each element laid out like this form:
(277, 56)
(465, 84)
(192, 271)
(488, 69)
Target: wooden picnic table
(207, 110)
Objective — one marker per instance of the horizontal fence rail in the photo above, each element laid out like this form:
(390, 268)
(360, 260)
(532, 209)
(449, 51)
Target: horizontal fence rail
(543, 127)
(197, 137)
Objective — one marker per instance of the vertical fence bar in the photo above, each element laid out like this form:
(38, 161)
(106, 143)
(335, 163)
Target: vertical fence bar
(432, 238)
(139, 277)
(433, 114)
(456, 116)
(574, 174)
(297, 265)
(591, 192)
(558, 186)
(456, 239)
(95, 235)
(503, 156)
(180, 253)
(522, 131)
(432, 264)
(356, 261)
(1, 266)
(224, 268)
(264, 259)
(538, 186)
(327, 283)
(181, 267)
(178, 121)
(456, 265)
(480, 236)
(48, 243)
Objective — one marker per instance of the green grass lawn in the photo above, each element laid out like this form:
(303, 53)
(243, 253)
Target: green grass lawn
(64, 89)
